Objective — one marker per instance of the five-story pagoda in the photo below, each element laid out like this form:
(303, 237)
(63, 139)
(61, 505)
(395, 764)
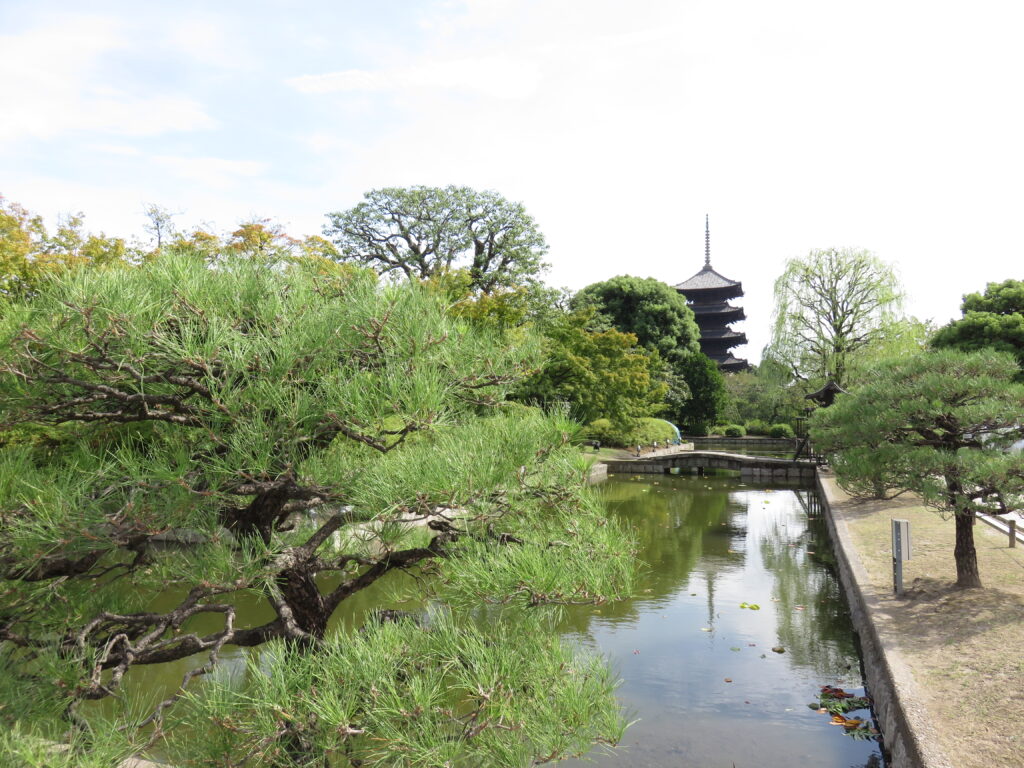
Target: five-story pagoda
(708, 294)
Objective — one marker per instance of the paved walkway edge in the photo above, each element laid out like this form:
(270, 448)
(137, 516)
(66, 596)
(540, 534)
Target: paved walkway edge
(910, 741)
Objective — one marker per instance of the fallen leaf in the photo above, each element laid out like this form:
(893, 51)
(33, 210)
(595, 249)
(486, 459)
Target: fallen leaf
(728, 679)
(778, 649)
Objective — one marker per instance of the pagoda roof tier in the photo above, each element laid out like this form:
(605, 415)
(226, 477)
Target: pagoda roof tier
(723, 334)
(717, 308)
(707, 279)
(718, 319)
(712, 295)
(733, 364)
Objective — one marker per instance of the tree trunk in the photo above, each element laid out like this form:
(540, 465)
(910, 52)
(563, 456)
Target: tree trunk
(966, 556)
(259, 517)
(301, 594)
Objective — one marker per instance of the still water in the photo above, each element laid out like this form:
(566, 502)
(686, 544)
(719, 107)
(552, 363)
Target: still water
(699, 674)
(710, 545)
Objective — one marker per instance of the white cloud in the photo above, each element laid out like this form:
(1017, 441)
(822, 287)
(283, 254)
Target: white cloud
(498, 76)
(51, 91)
(115, 149)
(212, 172)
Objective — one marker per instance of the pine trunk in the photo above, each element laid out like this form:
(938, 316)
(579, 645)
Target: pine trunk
(966, 556)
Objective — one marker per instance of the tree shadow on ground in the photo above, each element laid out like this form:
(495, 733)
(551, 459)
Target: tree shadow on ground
(942, 614)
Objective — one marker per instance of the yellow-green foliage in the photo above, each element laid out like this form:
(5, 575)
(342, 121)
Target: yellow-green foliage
(638, 432)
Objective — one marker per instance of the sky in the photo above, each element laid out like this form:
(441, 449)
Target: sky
(892, 126)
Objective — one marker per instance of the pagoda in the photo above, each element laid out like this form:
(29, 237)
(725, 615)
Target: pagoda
(708, 294)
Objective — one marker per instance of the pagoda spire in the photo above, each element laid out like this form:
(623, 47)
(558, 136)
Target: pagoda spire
(707, 242)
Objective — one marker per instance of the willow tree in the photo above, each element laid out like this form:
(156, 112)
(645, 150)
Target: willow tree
(939, 424)
(182, 441)
(830, 305)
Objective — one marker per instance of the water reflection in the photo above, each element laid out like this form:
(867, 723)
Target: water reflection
(698, 670)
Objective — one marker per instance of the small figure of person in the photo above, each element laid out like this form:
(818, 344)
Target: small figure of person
(638, 449)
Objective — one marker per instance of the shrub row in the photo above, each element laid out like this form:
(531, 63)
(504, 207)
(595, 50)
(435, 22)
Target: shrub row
(641, 432)
(754, 427)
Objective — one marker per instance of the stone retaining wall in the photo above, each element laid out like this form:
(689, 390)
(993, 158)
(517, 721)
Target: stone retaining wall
(910, 740)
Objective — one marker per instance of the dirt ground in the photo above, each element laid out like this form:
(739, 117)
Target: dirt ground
(965, 648)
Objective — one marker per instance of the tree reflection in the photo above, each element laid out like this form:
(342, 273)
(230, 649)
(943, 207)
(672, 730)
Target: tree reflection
(813, 621)
(677, 523)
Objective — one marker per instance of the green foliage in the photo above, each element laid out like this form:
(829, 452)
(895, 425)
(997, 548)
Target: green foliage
(639, 432)
(829, 306)
(709, 396)
(902, 337)
(401, 694)
(939, 425)
(757, 427)
(29, 254)
(734, 430)
(766, 393)
(296, 433)
(993, 320)
(781, 430)
(598, 374)
(420, 232)
(654, 312)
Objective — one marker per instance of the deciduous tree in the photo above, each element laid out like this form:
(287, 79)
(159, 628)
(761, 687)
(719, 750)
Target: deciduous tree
(652, 311)
(421, 231)
(598, 374)
(708, 395)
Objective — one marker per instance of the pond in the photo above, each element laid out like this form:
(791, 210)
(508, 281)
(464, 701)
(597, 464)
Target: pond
(699, 673)
(700, 676)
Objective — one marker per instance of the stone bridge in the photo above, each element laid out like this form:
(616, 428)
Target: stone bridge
(753, 467)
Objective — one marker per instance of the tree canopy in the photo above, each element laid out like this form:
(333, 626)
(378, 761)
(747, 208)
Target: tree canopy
(598, 374)
(286, 437)
(708, 394)
(652, 311)
(993, 320)
(937, 424)
(420, 232)
(29, 253)
(829, 306)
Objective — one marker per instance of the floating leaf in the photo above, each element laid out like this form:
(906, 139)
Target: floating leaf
(735, 648)
(705, 629)
(728, 679)
(778, 649)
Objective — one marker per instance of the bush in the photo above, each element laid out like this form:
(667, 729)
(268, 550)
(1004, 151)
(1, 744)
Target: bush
(716, 431)
(781, 430)
(757, 427)
(735, 430)
(643, 432)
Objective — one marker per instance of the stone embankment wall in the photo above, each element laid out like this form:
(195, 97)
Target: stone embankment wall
(909, 738)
